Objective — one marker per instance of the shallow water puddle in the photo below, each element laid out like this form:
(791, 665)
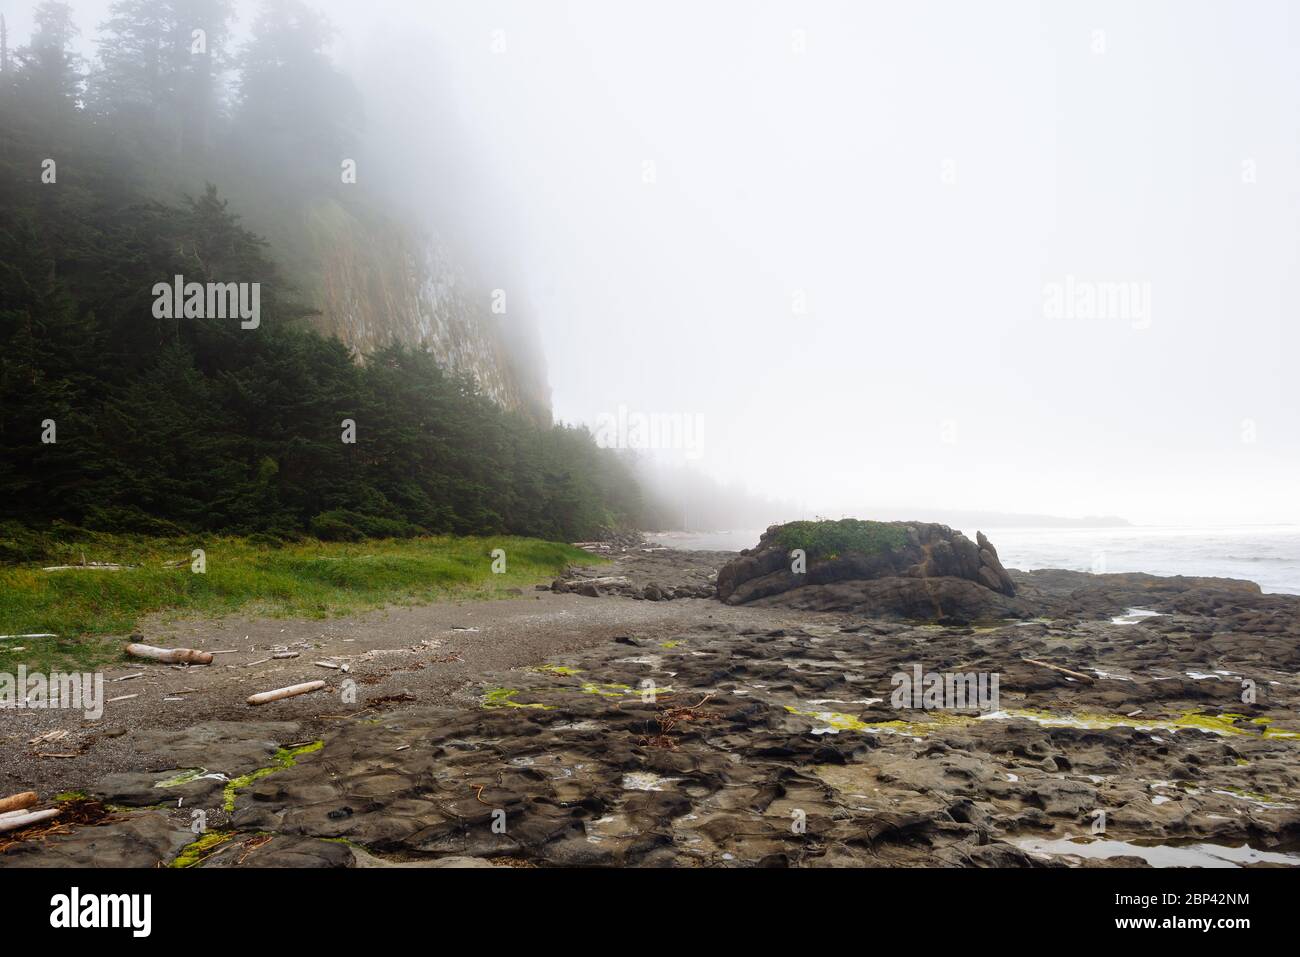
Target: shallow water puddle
(1109, 676)
(645, 781)
(188, 776)
(1258, 800)
(654, 661)
(1134, 615)
(1159, 855)
(584, 725)
(611, 826)
(866, 701)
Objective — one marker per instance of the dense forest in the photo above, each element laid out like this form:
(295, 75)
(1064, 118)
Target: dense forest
(117, 415)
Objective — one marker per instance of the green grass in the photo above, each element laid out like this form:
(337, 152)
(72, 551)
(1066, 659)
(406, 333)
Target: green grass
(309, 580)
(829, 539)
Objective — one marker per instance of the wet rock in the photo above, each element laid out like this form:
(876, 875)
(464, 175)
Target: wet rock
(281, 851)
(927, 571)
(751, 730)
(139, 839)
(654, 574)
(146, 789)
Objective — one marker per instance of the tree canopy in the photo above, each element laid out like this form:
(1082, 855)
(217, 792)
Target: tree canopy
(158, 423)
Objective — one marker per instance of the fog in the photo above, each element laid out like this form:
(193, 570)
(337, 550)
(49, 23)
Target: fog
(894, 257)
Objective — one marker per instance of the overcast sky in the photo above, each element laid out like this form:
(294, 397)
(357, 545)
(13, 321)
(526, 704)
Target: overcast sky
(865, 257)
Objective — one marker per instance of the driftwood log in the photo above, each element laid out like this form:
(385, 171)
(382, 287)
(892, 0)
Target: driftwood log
(1078, 675)
(17, 802)
(170, 656)
(266, 697)
(12, 822)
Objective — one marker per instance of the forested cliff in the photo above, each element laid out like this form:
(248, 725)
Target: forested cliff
(376, 392)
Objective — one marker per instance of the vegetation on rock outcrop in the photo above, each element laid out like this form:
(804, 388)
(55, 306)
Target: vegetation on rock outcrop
(830, 539)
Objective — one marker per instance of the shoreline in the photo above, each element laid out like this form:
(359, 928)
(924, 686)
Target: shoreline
(1268, 555)
(754, 714)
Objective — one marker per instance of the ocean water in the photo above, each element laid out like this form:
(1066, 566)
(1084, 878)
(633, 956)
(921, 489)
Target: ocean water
(1266, 554)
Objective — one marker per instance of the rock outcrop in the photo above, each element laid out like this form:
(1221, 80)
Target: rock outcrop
(372, 279)
(891, 569)
(648, 572)
(691, 735)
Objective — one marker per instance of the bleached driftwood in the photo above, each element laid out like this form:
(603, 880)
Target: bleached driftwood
(266, 697)
(12, 822)
(16, 802)
(1078, 675)
(170, 656)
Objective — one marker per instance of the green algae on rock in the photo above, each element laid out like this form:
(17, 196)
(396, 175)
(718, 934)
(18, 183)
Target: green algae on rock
(561, 670)
(1223, 724)
(284, 758)
(181, 777)
(504, 698)
(194, 854)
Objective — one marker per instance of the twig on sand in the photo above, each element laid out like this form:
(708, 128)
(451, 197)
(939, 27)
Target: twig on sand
(49, 736)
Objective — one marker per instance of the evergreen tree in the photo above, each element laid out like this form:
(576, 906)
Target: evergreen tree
(49, 74)
(160, 73)
(4, 51)
(293, 101)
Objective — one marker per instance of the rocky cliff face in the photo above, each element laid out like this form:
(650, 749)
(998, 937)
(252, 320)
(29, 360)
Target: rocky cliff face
(376, 282)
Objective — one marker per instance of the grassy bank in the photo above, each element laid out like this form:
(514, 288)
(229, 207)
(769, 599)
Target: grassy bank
(84, 607)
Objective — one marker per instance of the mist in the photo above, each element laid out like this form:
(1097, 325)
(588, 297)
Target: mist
(728, 435)
(890, 258)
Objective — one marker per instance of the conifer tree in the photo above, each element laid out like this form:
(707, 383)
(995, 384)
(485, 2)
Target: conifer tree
(49, 76)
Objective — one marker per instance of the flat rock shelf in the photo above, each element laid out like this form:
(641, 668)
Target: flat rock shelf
(616, 731)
